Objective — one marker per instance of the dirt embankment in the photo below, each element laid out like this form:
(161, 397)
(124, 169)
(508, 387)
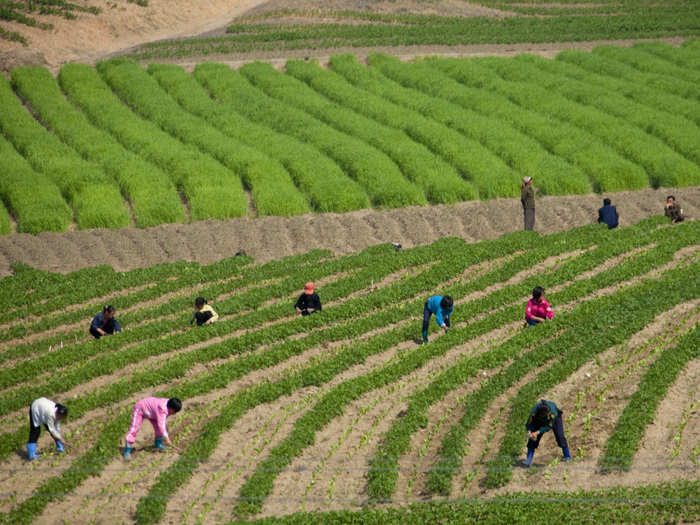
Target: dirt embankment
(269, 238)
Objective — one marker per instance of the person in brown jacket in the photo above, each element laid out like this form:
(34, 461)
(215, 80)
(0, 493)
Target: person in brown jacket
(527, 198)
(673, 210)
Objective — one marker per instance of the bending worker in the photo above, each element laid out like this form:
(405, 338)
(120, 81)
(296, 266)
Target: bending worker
(545, 416)
(45, 412)
(442, 308)
(156, 410)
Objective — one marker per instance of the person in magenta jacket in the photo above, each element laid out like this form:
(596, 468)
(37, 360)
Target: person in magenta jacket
(442, 308)
(156, 410)
(538, 309)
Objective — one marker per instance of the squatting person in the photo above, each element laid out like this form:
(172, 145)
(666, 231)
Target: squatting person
(104, 323)
(442, 308)
(309, 301)
(156, 410)
(203, 313)
(608, 214)
(45, 412)
(545, 416)
(673, 210)
(538, 309)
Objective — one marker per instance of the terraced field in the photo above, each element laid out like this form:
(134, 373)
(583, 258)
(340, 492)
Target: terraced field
(344, 411)
(117, 145)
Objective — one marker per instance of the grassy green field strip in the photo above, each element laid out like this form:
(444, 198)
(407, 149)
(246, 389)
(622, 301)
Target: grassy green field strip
(383, 476)
(679, 19)
(666, 502)
(271, 186)
(418, 146)
(33, 198)
(373, 170)
(644, 66)
(211, 190)
(151, 192)
(664, 166)
(463, 87)
(94, 197)
(652, 90)
(641, 409)
(315, 174)
(678, 133)
(684, 57)
(518, 150)
(649, 63)
(5, 220)
(645, 306)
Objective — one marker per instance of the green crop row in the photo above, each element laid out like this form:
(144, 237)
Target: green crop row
(373, 120)
(94, 197)
(641, 409)
(271, 186)
(373, 170)
(150, 191)
(520, 152)
(211, 190)
(33, 199)
(317, 176)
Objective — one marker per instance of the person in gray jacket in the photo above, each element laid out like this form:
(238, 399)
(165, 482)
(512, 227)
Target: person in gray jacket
(527, 198)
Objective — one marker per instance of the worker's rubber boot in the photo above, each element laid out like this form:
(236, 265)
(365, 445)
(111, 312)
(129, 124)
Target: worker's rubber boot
(127, 451)
(59, 447)
(528, 460)
(159, 444)
(425, 336)
(31, 451)
(567, 455)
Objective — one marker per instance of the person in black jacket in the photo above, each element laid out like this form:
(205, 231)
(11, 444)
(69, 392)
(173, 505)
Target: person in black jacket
(308, 302)
(608, 214)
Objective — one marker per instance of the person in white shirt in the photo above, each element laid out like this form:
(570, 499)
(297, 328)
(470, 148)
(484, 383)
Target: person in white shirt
(45, 412)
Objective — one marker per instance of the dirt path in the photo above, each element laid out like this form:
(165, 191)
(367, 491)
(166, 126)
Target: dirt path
(273, 237)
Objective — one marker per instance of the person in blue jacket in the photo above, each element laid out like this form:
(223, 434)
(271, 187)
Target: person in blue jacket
(544, 416)
(608, 214)
(442, 308)
(104, 323)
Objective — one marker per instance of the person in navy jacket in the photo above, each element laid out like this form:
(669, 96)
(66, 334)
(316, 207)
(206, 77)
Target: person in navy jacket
(608, 214)
(442, 308)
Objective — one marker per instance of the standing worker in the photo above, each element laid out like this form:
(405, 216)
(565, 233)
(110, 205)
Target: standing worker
(104, 323)
(527, 198)
(45, 412)
(442, 308)
(673, 210)
(608, 214)
(538, 309)
(544, 416)
(203, 313)
(309, 301)
(156, 410)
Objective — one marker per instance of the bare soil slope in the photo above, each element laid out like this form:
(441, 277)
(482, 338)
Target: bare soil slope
(274, 237)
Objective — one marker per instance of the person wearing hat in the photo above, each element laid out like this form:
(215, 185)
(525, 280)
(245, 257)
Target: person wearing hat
(672, 210)
(545, 416)
(45, 412)
(527, 198)
(308, 302)
(608, 214)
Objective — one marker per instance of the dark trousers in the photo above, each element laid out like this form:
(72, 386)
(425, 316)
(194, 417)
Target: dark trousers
(558, 428)
(33, 431)
(108, 327)
(202, 317)
(529, 218)
(426, 318)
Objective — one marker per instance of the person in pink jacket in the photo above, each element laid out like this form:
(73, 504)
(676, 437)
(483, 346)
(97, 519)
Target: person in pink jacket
(538, 309)
(156, 410)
